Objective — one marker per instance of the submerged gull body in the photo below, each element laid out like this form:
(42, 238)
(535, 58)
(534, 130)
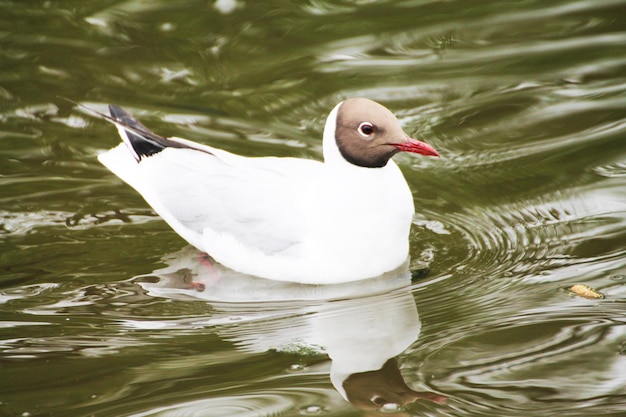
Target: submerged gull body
(287, 219)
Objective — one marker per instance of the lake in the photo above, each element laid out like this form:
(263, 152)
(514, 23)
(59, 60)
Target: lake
(105, 311)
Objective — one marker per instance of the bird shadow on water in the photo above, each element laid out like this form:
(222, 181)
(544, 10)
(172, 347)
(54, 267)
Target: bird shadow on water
(338, 321)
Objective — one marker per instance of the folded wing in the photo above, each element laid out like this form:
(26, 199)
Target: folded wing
(207, 194)
(257, 207)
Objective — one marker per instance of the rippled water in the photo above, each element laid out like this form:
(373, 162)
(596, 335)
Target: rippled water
(106, 312)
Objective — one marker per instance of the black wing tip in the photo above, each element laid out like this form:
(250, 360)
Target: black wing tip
(120, 114)
(116, 111)
(142, 140)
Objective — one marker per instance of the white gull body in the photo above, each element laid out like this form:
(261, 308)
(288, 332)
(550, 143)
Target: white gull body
(285, 219)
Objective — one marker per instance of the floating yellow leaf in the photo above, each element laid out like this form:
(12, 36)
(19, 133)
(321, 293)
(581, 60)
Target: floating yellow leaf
(585, 292)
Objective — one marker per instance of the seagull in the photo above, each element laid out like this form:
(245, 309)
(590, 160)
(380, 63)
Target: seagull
(287, 219)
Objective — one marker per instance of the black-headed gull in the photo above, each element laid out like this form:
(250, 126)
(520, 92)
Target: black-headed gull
(287, 219)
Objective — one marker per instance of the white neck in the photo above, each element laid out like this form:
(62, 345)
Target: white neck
(332, 155)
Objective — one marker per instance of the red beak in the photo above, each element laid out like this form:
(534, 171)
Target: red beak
(416, 146)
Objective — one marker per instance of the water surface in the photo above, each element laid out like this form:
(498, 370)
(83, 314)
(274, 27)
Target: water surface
(526, 102)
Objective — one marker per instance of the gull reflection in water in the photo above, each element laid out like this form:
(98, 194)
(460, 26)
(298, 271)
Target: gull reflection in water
(361, 326)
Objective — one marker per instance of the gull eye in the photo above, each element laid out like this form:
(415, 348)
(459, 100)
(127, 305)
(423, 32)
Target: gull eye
(377, 400)
(366, 129)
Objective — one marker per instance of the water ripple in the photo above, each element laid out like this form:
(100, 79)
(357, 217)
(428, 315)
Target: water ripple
(247, 405)
(553, 236)
(12, 223)
(501, 368)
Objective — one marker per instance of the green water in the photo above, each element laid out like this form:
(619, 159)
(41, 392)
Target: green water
(525, 101)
